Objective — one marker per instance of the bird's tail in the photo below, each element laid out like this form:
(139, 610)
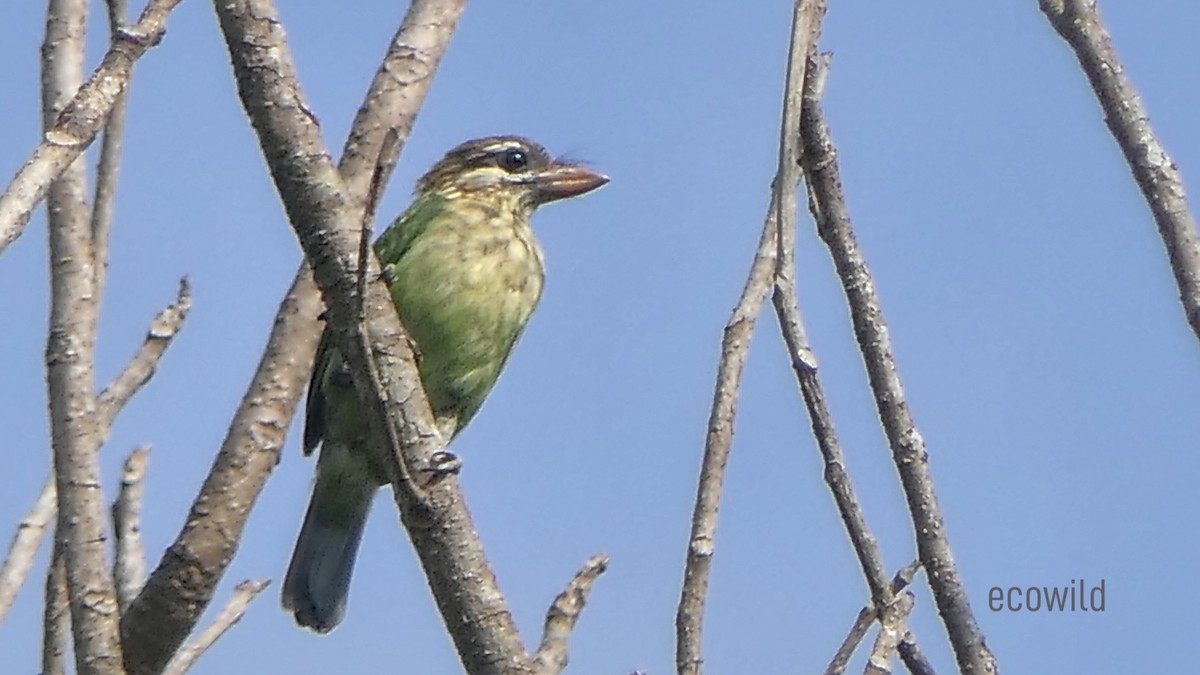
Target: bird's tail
(318, 577)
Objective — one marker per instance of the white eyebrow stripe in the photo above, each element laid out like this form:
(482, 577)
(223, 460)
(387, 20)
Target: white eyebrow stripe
(504, 145)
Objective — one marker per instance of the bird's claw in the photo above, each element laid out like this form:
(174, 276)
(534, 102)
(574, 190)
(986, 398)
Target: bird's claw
(444, 463)
(388, 274)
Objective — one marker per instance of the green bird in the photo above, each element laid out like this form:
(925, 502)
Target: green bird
(465, 273)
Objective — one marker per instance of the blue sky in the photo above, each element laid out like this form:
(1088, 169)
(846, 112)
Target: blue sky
(1036, 324)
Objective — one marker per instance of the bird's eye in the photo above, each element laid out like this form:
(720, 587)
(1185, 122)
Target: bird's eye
(514, 160)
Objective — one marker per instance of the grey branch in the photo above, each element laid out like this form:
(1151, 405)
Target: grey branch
(385, 375)
(735, 344)
(243, 594)
(141, 367)
(75, 435)
(551, 656)
(56, 615)
(828, 207)
(109, 164)
(129, 560)
(80, 121)
(181, 586)
(183, 583)
(807, 74)
(1078, 22)
(24, 547)
(892, 622)
(397, 91)
(914, 661)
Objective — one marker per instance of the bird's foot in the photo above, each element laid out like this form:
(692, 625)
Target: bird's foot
(388, 274)
(443, 463)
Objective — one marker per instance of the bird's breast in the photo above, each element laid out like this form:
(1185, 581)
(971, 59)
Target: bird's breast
(465, 290)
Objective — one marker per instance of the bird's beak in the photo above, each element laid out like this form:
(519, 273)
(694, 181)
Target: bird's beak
(561, 181)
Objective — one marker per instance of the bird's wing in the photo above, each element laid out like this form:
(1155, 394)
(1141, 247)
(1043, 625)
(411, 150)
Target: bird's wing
(391, 247)
(397, 239)
(314, 406)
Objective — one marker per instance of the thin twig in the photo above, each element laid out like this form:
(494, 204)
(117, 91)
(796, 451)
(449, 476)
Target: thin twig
(243, 594)
(183, 583)
(108, 166)
(1079, 23)
(56, 615)
(735, 343)
(81, 119)
(552, 654)
(24, 547)
(891, 630)
(866, 617)
(129, 560)
(141, 367)
(791, 324)
(828, 207)
(389, 152)
(912, 656)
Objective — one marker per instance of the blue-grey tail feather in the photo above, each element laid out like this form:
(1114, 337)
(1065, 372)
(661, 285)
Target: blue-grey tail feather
(318, 577)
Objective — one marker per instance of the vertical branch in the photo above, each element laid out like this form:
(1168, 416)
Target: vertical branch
(735, 346)
(787, 311)
(1078, 23)
(110, 159)
(69, 363)
(56, 616)
(129, 560)
(828, 207)
(791, 324)
(735, 343)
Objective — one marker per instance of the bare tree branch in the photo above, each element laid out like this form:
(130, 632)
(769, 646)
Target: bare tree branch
(24, 547)
(1078, 22)
(182, 585)
(129, 560)
(552, 654)
(388, 154)
(110, 159)
(735, 343)
(912, 656)
(313, 193)
(397, 91)
(866, 617)
(141, 367)
(243, 594)
(76, 127)
(806, 73)
(56, 615)
(75, 435)
(828, 207)
(891, 631)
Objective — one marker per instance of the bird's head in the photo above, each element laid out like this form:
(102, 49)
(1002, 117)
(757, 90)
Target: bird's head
(511, 171)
